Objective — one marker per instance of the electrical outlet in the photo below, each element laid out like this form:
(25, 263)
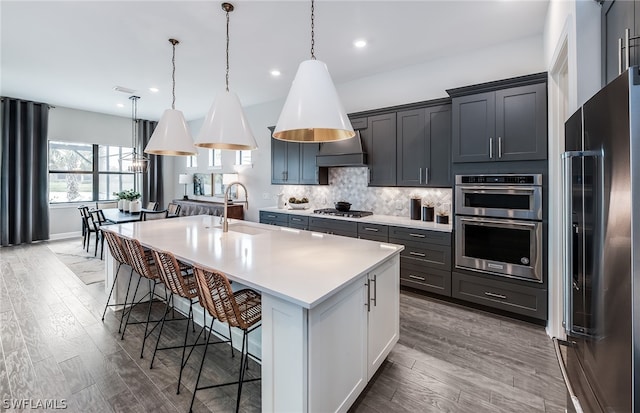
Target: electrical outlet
(399, 205)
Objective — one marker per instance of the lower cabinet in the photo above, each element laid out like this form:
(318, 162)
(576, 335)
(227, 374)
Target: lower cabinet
(425, 262)
(274, 218)
(363, 324)
(333, 226)
(373, 232)
(298, 222)
(493, 292)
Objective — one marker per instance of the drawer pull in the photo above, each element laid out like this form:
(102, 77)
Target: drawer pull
(417, 235)
(418, 254)
(296, 219)
(500, 296)
(415, 277)
(271, 216)
(370, 229)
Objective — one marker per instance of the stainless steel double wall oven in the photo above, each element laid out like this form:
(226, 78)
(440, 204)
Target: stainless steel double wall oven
(498, 225)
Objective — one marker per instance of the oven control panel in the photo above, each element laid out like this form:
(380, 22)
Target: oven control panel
(531, 179)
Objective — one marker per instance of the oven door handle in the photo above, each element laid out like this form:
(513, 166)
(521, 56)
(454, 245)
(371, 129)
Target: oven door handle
(504, 224)
(501, 189)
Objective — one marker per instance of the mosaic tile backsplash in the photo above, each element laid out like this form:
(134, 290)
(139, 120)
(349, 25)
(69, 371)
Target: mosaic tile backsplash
(350, 185)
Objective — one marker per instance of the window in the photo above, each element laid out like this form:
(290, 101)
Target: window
(80, 172)
(215, 158)
(192, 161)
(243, 157)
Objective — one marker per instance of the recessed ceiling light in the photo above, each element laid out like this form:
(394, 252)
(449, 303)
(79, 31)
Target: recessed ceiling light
(120, 105)
(154, 89)
(275, 72)
(360, 43)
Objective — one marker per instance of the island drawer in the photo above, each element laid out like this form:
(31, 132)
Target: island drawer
(426, 279)
(333, 226)
(499, 294)
(420, 235)
(375, 232)
(274, 218)
(298, 222)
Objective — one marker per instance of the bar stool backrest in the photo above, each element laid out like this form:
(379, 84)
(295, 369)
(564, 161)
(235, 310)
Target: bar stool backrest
(216, 296)
(118, 251)
(140, 261)
(171, 274)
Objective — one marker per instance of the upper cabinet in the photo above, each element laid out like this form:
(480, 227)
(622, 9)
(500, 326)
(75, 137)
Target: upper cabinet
(379, 140)
(423, 154)
(500, 121)
(618, 15)
(294, 163)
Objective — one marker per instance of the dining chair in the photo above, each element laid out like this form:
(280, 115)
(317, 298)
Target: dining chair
(84, 224)
(152, 206)
(90, 228)
(241, 309)
(173, 210)
(98, 220)
(150, 215)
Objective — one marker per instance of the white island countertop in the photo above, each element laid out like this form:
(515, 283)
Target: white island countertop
(301, 267)
(371, 219)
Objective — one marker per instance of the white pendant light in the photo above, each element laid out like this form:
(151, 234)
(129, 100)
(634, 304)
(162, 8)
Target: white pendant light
(225, 126)
(134, 162)
(171, 136)
(313, 111)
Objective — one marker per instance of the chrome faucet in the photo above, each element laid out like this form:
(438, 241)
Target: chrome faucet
(225, 224)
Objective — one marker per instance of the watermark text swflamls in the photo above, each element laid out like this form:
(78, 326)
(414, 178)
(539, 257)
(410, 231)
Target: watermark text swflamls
(34, 404)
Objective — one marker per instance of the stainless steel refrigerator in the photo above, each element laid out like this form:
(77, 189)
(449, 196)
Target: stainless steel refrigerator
(602, 258)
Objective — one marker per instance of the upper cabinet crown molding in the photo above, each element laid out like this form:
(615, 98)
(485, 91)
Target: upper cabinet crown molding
(498, 84)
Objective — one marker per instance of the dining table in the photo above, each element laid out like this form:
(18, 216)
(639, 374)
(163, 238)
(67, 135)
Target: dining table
(114, 215)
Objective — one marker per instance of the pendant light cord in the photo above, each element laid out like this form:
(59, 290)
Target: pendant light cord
(227, 75)
(313, 42)
(173, 74)
(134, 111)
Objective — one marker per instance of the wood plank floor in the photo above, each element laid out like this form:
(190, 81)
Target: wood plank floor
(54, 346)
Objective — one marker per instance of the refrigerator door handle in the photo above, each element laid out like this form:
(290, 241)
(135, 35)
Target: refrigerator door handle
(567, 233)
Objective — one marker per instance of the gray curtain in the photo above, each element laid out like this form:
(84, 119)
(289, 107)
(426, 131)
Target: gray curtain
(152, 180)
(24, 204)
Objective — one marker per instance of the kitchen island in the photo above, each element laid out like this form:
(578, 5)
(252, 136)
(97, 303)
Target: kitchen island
(330, 304)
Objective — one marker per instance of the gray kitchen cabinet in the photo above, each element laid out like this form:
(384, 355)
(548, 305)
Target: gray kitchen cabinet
(616, 16)
(298, 222)
(500, 121)
(424, 147)
(333, 226)
(359, 123)
(294, 163)
(373, 232)
(425, 263)
(274, 218)
(496, 293)
(379, 140)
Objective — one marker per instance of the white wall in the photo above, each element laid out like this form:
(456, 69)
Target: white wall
(575, 24)
(420, 82)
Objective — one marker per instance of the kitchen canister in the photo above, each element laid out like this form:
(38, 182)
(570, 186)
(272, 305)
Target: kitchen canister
(416, 211)
(427, 213)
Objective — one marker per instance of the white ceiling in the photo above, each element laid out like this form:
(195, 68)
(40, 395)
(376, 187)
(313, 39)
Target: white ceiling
(72, 53)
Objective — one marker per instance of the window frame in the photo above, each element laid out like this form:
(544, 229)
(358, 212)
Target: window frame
(94, 172)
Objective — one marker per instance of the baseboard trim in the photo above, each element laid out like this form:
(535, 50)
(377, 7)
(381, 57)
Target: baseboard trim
(65, 235)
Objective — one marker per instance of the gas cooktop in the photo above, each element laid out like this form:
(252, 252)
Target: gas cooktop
(350, 214)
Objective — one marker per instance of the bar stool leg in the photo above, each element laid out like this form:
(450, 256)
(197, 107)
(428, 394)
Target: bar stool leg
(184, 346)
(133, 300)
(204, 355)
(146, 326)
(126, 298)
(242, 368)
(115, 279)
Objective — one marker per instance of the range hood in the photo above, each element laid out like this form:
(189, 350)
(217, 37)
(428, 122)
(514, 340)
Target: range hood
(347, 152)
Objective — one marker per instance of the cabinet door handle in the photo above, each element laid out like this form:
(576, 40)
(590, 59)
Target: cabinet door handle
(415, 277)
(417, 235)
(499, 147)
(620, 52)
(369, 178)
(420, 175)
(370, 229)
(367, 303)
(500, 296)
(375, 290)
(417, 254)
(426, 175)
(627, 53)
(490, 148)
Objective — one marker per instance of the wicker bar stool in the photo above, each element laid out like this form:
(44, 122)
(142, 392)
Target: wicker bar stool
(119, 253)
(179, 279)
(142, 262)
(241, 309)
